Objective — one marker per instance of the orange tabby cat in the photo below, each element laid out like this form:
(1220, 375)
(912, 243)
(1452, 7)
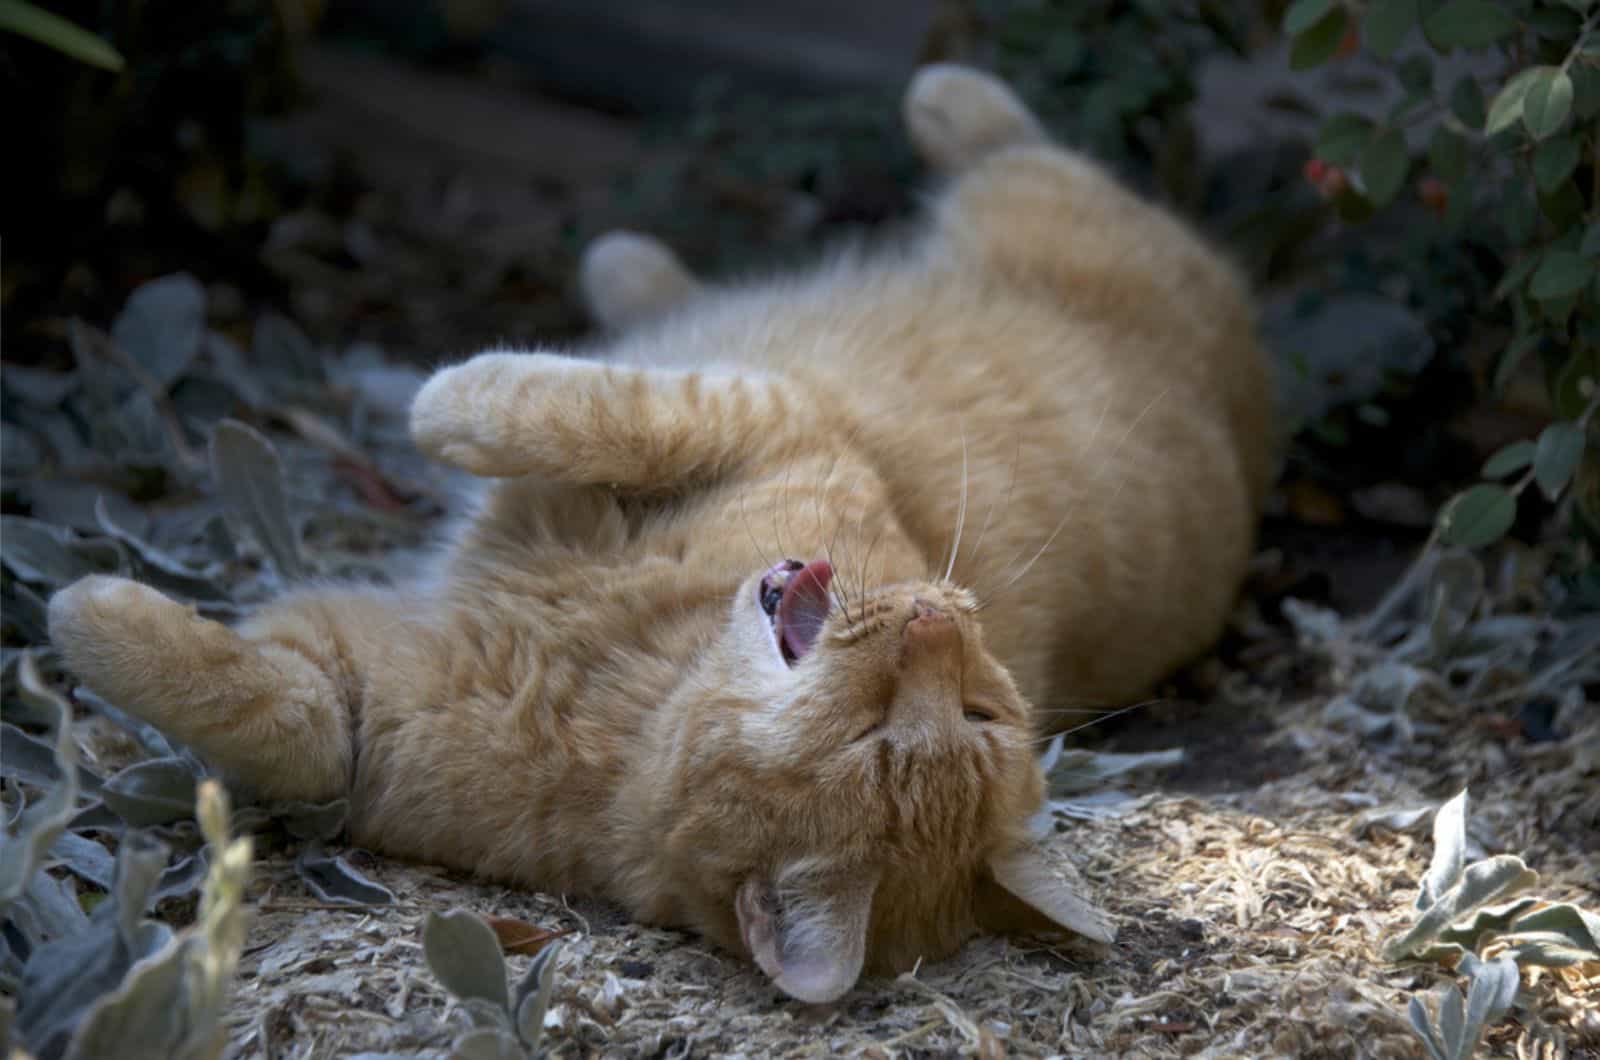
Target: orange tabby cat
(758, 624)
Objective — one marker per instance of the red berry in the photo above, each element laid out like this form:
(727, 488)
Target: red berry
(1349, 44)
(1435, 194)
(1315, 169)
(1330, 182)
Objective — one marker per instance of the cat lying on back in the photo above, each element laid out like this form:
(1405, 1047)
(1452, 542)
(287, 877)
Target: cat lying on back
(760, 622)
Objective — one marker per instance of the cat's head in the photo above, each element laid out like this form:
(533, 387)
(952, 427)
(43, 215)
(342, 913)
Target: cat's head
(852, 778)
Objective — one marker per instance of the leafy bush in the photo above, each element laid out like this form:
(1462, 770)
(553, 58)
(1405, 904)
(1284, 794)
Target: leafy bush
(1513, 139)
(1114, 78)
(1465, 919)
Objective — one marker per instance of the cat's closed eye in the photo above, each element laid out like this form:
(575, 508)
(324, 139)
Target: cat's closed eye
(977, 714)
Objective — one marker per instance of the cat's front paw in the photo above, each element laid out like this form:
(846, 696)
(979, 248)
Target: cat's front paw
(957, 115)
(483, 416)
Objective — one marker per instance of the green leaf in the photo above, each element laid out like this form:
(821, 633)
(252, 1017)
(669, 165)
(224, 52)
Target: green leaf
(1547, 103)
(41, 824)
(161, 326)
(56, 32)
(281, 349)
(143, 1016)
(332, 879)
(1447, 154)
(1416, 75)
(1574, 382)
(464, 954)
(1383, 166)
(1453, 591)
(1491, 919)
(53, 555)
(1386, 24)
(1585, 90)
(1316, 45)
(1554, 23)
(533, 995)
(1303, 14)
(1422, 1024)
(1468, 24)
(1508, 102)
(1449, 851)
(158, 791)
(1512, 358)
(486, 1043)
(1560, 449)
(1478, 517)
(1519, 215)
(249, 480)
(1343, 137)
(1590, 247)
(1490, 991)
(1466, 102)
(1480, 883)
(1560, 273)
(1514, 277)
(1513, 457)
(1578, 928)
(1554, 160)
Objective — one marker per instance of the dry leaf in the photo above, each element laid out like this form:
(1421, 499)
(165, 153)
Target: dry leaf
(519, 936)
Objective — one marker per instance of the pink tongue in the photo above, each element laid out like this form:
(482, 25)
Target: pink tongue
(804, 607)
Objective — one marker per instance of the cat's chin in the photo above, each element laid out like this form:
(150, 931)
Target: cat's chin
(794, 599)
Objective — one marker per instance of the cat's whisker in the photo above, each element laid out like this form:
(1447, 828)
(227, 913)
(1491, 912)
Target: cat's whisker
(1117, 713)
(867, 564)
(839, 526)
(1011, 482)
(744, 517)
(862, 559)
(822, 494)
(961, 511)
(1071, 510)
(1094, 434)
(780, 516)
(1092, 711)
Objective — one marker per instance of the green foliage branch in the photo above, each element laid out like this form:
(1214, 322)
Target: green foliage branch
(1517, 146)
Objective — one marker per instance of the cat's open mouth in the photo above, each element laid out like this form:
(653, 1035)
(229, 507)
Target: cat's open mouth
(794, 596)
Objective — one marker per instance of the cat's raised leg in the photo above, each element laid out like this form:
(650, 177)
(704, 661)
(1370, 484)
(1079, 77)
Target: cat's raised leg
(502, 415)
(1049, 216)
(957, 116)
(268, 704)
(627, 278)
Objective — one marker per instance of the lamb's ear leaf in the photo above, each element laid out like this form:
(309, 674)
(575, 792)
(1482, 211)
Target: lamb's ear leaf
(464, 954)
(1026, 894)
(332, 879)
(808, 935)
(1449, 850)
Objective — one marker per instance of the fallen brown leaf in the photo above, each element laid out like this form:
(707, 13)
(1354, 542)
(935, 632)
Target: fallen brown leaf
(519, 936)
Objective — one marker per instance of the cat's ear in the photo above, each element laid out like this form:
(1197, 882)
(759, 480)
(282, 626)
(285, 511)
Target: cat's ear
(811, 941)
(1024, 894)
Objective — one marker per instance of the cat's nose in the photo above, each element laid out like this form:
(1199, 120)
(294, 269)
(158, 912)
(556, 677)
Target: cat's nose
(931, 629)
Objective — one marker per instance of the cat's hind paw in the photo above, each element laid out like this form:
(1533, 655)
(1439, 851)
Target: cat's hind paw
(957, 116)
(129, 642)
(627, 278)
(106, 615)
